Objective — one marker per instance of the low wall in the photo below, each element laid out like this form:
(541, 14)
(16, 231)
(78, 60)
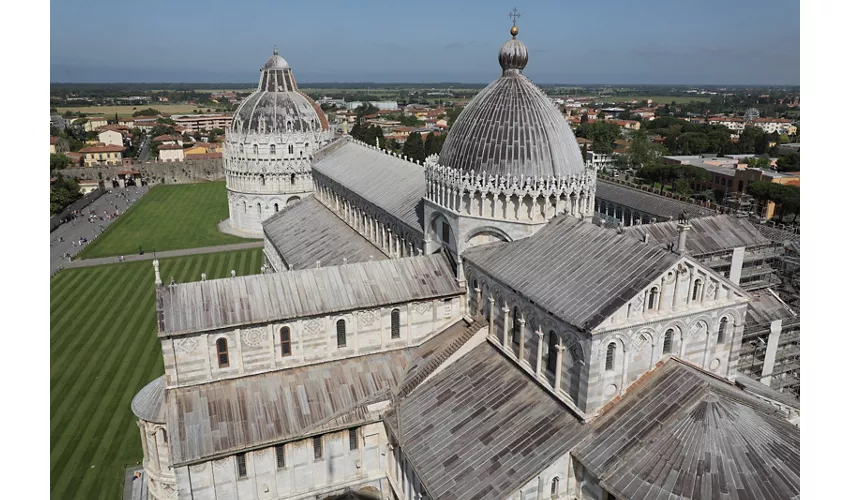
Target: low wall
(178, 172)
(83, 202)
(666, 194)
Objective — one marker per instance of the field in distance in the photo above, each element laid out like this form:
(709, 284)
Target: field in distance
(169, 217)
(127, 111)
(656, 99)
(103, 350)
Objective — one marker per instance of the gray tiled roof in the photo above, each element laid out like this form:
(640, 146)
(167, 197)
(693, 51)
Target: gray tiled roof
(766, 306)
(307, 231)
(390, 183)
(707, 235)
(511, 128)
(149, 403)
(481, 428)
(648, 203)
(207, 305)
(682, 433)
(765, 391)
(227, 416)
(574, 269)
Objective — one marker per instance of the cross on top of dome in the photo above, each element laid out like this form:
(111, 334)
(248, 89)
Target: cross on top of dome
(513, 55)
(514, 14)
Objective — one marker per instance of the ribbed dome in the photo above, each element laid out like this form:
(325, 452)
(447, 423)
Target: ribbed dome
(277, 106)
(512, 128)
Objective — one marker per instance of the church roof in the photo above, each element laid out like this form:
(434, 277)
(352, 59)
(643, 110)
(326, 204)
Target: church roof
(149, 403)
(394, 185)
(261, 298)
(481, 428)
(574, 269)
(707, 235)
(307, 231)
(648, 203)
(277, 107)
(221, 418)
(683, 433)
(512, 128)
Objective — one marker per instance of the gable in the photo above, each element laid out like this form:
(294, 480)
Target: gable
(679, 282)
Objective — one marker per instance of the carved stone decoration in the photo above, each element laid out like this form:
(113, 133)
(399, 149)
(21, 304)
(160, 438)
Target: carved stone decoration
(221, 463)
(422, 307)
(314, 326)
(187, 345)
(640, 341)
(683, 272)
(368, 317)
(709, 290)
(637, 304)
(198, 468)
(698, 329)
(253, 337)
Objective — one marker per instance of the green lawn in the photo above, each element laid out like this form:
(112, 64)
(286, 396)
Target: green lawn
(103, 349)
(169, 217)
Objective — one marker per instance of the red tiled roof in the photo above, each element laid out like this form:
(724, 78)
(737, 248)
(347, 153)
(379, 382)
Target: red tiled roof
(102, 149)
(161, 138)
(203, 156)
(53, 139)
(170, 146)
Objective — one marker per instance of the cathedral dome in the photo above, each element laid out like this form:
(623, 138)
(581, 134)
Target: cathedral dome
(512, 128)
(277, 107)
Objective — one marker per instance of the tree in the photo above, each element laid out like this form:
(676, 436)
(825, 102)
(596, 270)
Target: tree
(63, 192)
(365, 109)
(603, 134)
(146, 112)
(788, 163)
(452, 114)
(584, 118)
(59, 161)
(414, 148)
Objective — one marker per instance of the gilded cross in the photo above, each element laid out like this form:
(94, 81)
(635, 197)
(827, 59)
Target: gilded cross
(514, 14)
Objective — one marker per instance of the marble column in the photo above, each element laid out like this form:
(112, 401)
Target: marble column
(559, 359)
(492, 315)
(538, 369)
(521, 354)
(505, 339)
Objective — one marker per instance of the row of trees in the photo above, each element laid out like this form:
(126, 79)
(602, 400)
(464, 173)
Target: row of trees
(786, 196)
(417, 149)
(63, 192)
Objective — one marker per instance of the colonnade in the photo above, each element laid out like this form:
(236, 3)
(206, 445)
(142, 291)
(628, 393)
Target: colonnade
(369, 224)
(625, 215)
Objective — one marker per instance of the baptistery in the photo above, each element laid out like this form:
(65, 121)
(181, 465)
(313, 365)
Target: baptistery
(269, 146)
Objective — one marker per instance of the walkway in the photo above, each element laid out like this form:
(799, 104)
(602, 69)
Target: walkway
(163, 255)
(120, 199)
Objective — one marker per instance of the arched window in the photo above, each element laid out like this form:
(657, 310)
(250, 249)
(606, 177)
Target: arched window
(285, 342)
(697, 290)
(653, 298)
(221, 350)
(555, 483)
(256, 149)
(241, 148)
(340, 333)
(263, 179)
(259, 209)
(272, 149)
(275, 208)
(395, 324)
(244, 207)
(291, 149)
(668, 342)
(292, 179)
(721, 331)
(515, 326)
(609, 356)
(551, 356)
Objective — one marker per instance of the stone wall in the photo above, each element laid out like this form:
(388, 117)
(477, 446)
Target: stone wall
(178, 172)
(192, 359)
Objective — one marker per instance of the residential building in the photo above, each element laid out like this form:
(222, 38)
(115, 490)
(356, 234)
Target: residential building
(169, 139)
(93, 122)
(110, 137)
(381, 105)
(776, 125)
(102, 155)
(196, 123)
(58, 145)
(171, 152)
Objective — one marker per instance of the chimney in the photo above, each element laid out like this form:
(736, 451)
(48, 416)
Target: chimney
(646, 237)
(683, 227)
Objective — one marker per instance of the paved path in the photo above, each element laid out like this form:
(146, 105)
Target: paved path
(162, 255)
(119, 199)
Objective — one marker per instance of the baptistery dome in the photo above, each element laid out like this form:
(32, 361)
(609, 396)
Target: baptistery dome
(512, 128)
(268, 148)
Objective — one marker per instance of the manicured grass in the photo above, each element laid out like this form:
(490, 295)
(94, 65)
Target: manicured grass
(103, 350)
(169, 217)
(127, 111)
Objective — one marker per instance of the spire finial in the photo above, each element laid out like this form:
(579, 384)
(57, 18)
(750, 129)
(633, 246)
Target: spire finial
(514, 14)
(275, 50)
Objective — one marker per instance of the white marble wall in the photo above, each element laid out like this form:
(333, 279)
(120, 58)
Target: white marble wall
(192, 359)
(303, 475)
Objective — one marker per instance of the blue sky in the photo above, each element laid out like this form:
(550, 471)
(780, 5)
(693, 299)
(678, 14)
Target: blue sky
(616, 42)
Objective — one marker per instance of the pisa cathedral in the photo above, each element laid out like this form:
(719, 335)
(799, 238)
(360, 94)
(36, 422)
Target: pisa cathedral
(457, 329)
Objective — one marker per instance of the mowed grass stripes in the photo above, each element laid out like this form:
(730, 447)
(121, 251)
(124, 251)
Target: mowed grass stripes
(169, 217)
(103, 350)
